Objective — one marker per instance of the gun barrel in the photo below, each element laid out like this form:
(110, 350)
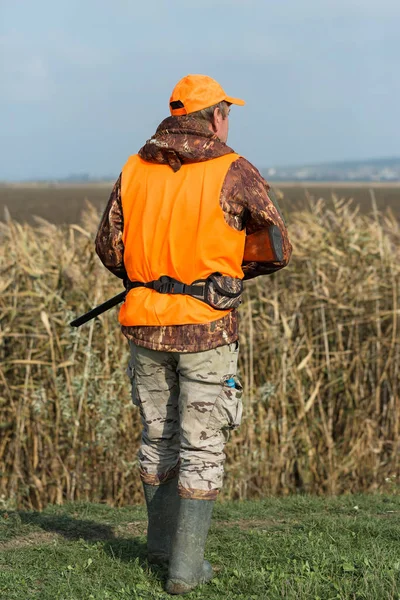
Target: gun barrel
(95, 312)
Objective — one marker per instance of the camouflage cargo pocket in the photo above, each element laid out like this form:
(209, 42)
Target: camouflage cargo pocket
(228, 408)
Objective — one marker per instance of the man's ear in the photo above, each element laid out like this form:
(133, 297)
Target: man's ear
(217, 117)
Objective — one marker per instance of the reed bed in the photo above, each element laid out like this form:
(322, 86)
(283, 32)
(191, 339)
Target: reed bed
(320, 358)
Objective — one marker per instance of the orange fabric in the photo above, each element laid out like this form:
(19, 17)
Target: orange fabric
(174, 225)
(196, 92)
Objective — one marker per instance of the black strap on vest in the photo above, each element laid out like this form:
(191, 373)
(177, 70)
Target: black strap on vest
(169, 285)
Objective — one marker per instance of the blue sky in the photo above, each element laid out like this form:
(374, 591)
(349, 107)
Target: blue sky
(85, 83)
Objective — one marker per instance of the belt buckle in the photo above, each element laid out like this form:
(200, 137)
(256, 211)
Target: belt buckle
(177, 288)
(165, 287)
(162, 285)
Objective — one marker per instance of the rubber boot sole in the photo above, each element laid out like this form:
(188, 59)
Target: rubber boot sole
(180, 587)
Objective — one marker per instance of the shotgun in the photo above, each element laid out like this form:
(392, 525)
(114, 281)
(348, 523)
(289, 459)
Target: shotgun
(263, 246)
(95, 312)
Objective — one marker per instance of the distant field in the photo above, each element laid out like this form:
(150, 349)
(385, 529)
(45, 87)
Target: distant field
(64, 203)
(295, 195)
(55, 202)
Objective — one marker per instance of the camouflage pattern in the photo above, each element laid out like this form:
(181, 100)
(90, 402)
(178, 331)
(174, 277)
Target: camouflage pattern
(219, 284)
(186, 338)
(187, 411)
(180, 140)
(109, 244)
(246, 203)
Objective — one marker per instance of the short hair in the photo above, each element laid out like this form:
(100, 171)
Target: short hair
(207, 114)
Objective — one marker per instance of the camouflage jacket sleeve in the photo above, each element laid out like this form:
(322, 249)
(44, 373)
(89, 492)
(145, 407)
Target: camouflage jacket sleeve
(109, 244)
(250, 190)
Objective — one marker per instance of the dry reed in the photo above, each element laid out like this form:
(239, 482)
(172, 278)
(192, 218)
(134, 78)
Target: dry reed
(320, 357)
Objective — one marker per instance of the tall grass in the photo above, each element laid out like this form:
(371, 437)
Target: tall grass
(320, 358)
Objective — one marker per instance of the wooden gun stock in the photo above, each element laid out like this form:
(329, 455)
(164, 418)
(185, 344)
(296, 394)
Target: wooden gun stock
(265, 245)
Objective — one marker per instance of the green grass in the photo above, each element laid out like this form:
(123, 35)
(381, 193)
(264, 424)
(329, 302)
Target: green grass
(298, 548)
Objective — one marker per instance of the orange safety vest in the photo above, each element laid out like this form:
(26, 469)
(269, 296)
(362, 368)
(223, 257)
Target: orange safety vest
(174, 225)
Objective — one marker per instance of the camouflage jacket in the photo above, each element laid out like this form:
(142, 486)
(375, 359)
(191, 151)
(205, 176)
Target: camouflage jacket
(245, 201)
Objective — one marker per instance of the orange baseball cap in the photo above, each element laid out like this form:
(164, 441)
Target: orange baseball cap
(195, 92)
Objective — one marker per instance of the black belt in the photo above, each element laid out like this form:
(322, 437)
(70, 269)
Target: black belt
(169, 285)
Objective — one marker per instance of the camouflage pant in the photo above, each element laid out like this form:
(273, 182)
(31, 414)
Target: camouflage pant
(187, 410)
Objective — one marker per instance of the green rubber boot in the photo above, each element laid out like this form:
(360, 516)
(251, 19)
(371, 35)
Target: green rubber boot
(162, 509)
(187, 567)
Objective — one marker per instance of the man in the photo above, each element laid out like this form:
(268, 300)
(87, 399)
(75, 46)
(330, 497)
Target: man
(175, 229)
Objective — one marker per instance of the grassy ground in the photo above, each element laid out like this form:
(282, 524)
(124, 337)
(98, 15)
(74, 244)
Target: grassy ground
(299, 548)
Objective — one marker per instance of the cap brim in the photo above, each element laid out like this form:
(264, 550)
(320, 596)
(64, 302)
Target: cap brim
(236, 101)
